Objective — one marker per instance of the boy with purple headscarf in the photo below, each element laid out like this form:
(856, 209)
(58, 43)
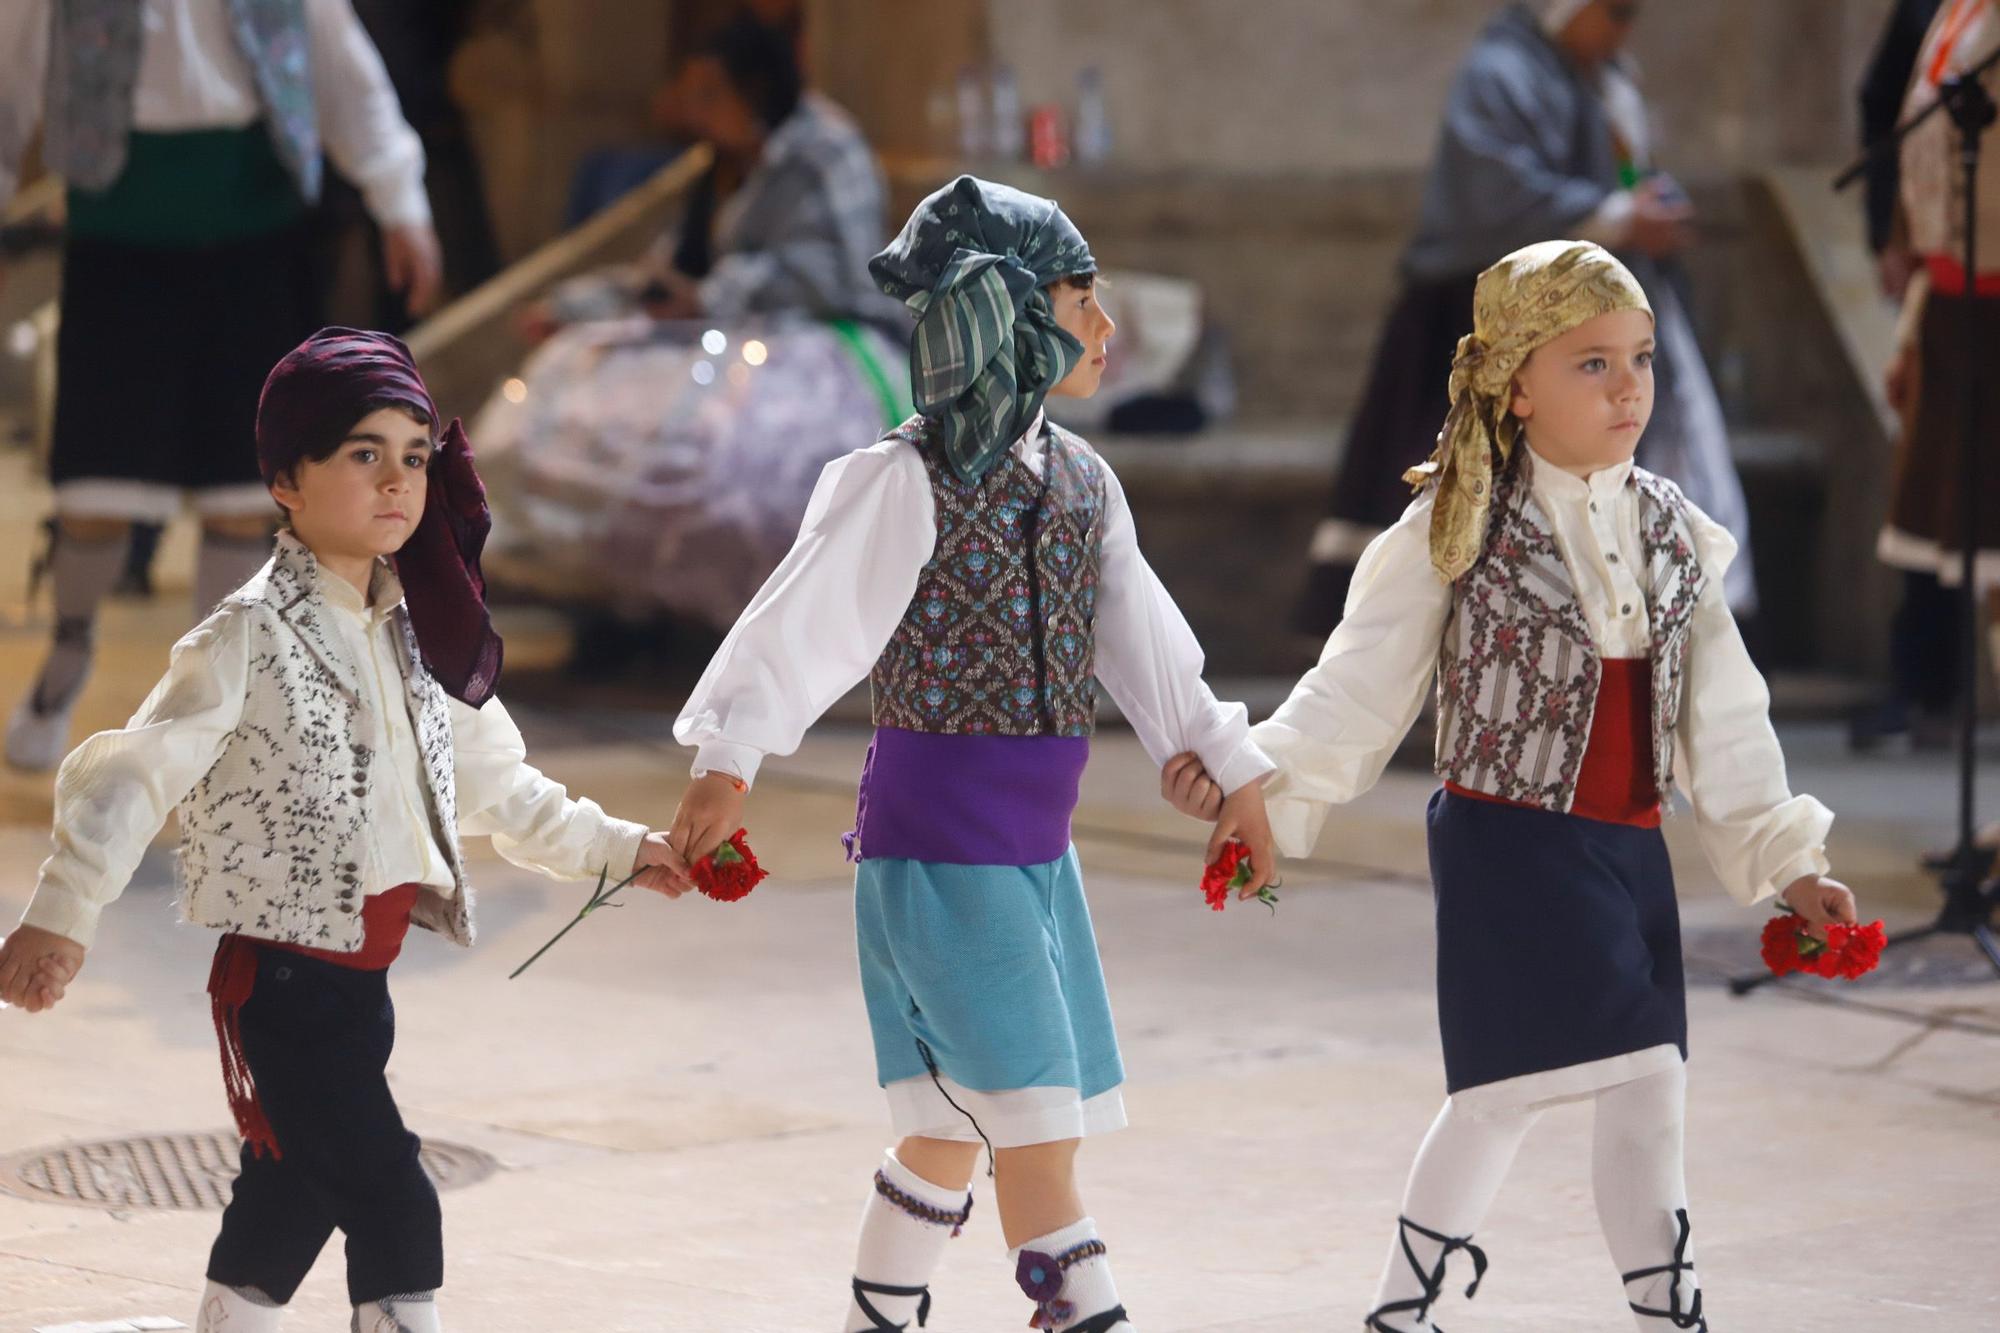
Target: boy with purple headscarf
(327, 734)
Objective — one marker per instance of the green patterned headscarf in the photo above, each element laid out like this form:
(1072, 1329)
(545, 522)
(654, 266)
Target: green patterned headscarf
(972, 262)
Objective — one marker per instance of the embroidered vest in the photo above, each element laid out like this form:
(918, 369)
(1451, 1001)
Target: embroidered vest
(94, 49)
(1000, 637)
(274, 838)
(1518, 672)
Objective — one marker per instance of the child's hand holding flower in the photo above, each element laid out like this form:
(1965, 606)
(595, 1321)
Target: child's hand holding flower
(710, 811)
(1821, 901)
(1243, 819)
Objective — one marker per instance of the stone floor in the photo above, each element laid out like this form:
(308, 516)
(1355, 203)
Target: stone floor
(680, 1101)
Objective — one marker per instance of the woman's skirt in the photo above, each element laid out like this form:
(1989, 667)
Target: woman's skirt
(1925, 528)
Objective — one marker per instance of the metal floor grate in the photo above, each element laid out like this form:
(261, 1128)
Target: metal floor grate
(191, 1171)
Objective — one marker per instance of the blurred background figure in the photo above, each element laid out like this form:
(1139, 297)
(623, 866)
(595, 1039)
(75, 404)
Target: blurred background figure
(1924, 636)
(1933, 360)
(417, 40)
(657, 451)
(1545, 135)
(608, 173)
(190, 135)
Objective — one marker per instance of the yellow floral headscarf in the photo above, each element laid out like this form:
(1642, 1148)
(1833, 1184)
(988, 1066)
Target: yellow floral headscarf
(1531, 297)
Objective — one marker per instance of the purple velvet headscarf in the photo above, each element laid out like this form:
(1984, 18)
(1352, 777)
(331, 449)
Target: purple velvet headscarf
(312, 399)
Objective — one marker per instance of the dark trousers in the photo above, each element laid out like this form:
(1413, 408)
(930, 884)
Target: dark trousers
(1924, 644)
(317, 1037)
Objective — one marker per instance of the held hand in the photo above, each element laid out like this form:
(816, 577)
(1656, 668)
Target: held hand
(711, 810)
(1243, 818)
(1187, 787)
(1821, 901)
(660, 868)
(414, 265)
(36, 967)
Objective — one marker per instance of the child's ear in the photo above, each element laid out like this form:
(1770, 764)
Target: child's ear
(284, 492)
(1518, 401)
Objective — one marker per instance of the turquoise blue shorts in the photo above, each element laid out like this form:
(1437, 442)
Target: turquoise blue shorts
(994, 968)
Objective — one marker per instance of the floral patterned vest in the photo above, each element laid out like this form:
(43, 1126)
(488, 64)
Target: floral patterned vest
(1518, 670)
(274, 842)
(94, 49)
(1000, 637)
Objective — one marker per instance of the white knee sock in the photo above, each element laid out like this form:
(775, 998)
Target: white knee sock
(1641, 1188)
(83, 574)
(224, 565)
(904, 1230)
(412, 1312)
(236, 1310)
(1070, 1281)
(1457, 1173)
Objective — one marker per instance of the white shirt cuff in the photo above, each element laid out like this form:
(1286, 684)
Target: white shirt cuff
(618, 846)
(63, 913)
(1243, 767)
(742, 761)
(398, 201)
(1811, 862)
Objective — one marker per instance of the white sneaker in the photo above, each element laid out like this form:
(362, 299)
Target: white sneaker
(37, 741)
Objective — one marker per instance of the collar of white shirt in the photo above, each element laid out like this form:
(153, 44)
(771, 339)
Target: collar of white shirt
(385, 594)
(1029, 447)
(1555, 483)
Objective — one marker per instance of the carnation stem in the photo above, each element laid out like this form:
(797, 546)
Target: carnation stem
(600, 897)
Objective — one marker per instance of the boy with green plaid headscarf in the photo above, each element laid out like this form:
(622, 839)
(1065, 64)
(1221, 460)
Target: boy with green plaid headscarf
(980, 567)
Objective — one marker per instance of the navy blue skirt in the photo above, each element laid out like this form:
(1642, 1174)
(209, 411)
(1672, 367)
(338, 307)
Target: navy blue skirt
(1559, 943)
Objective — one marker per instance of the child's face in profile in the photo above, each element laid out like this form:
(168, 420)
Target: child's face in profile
(1080, 315)
(364, 499)
(1586, 397)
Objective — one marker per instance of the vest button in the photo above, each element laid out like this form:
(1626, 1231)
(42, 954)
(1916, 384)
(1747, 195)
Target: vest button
(1625, 609)
(1611, 557)
(360, 791)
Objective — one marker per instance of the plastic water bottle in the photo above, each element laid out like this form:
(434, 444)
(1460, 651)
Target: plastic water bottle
(1091, 136)
(1009, 134)
(975, 126)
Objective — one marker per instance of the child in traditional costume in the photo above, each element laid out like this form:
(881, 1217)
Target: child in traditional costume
(979, 566)
(327, 734)
(1572, 608)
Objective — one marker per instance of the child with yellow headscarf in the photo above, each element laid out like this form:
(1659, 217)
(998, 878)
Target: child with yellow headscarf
(1570, 605)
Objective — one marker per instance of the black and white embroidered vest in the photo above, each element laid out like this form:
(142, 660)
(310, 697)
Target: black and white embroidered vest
(1518, 671)
(1000, 638)
(274, 838)
(94, 51)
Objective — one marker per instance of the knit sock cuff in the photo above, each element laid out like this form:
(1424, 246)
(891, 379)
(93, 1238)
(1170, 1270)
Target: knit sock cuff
(903, 1188)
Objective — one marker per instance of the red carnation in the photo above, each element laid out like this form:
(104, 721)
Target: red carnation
(1846, 953)
(728, 873)
(1230, 872)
